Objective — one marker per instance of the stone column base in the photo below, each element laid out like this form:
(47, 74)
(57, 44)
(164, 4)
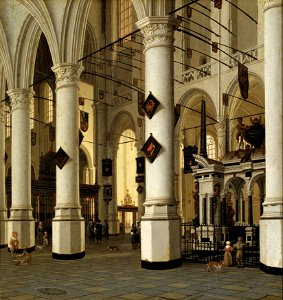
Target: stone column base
(271, 245)
(3, 233)
(160, 243)
(26, 233)
(113, 227)
(68, 239)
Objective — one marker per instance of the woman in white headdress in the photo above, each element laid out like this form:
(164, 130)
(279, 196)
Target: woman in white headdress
(228, 259)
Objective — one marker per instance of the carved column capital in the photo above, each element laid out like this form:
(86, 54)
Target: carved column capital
(99, 107)
(67, 74)
(158, 31)
(272, 3)
(20, 98)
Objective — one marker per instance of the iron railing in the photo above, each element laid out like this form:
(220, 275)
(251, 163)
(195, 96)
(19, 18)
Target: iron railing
(205, 243)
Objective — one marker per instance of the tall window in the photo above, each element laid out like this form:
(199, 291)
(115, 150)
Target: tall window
(126, 17)
(210, 147)
(8, 124)
(32, 113)
(49, 106)
(88, 62)
(87, 175)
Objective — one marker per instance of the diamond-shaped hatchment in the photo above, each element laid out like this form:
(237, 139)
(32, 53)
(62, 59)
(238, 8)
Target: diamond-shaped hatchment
(61, 158)
(151, 148)
(150, 105)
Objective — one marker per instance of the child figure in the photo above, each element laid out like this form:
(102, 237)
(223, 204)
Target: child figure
(45, 239)
(14, 243)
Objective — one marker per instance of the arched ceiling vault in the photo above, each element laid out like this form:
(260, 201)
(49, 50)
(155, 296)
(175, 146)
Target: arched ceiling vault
(65, 38)
(191, 109)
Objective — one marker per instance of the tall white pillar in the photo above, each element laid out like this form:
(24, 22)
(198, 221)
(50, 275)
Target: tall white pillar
(3, 207)
(160, 225)
(271, 223)
(68, 228)
(21, 219)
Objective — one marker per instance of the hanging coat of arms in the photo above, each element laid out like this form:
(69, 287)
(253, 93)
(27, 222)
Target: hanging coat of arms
(189, 159)
(51, 133)
(33, 138)
(243, 78)
(84, 121)
(255, 133)
(141, 97)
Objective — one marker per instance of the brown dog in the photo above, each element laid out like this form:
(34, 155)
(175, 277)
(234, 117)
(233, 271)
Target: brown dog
(215, 265)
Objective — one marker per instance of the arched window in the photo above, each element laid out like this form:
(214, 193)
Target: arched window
(49, 106)
(8, 123)
(126, 166)
(89, 62)
(32, 114)
(87, 175)
(210, 146)
(126, 19)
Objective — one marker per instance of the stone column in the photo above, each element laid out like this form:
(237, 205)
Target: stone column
(100, 111)
(202, 212)
(3, 207)
(250, 210)
(111, 212)
(160, 251)
(237, 210)
(21, 219)
(243, 211)
(271, 223)
(210, 211)
(68, 228)
(224, 211)
(221, 138)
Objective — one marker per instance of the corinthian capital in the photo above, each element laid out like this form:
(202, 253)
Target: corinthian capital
(158, 31)
(20, 98)
(67, 74)
(99, 107)
(272, 3)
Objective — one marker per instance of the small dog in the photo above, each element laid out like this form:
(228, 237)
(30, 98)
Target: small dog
(113, 248)
(23, 259)
(215, 265)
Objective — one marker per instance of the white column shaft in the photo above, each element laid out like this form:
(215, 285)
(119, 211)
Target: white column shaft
(160, 174)
(160, 250)
(271, 223)
(3, 207)
(2, 159)
(273, 102)
(21, 148)
(67, 134)
(68, 224)
(21, 219)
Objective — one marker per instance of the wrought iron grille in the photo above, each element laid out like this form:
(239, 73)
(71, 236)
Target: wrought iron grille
(204, 243)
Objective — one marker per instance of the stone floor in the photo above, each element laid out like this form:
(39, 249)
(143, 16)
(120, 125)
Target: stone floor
(106, 274)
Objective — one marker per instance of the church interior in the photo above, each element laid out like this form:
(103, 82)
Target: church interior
(166, 114)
